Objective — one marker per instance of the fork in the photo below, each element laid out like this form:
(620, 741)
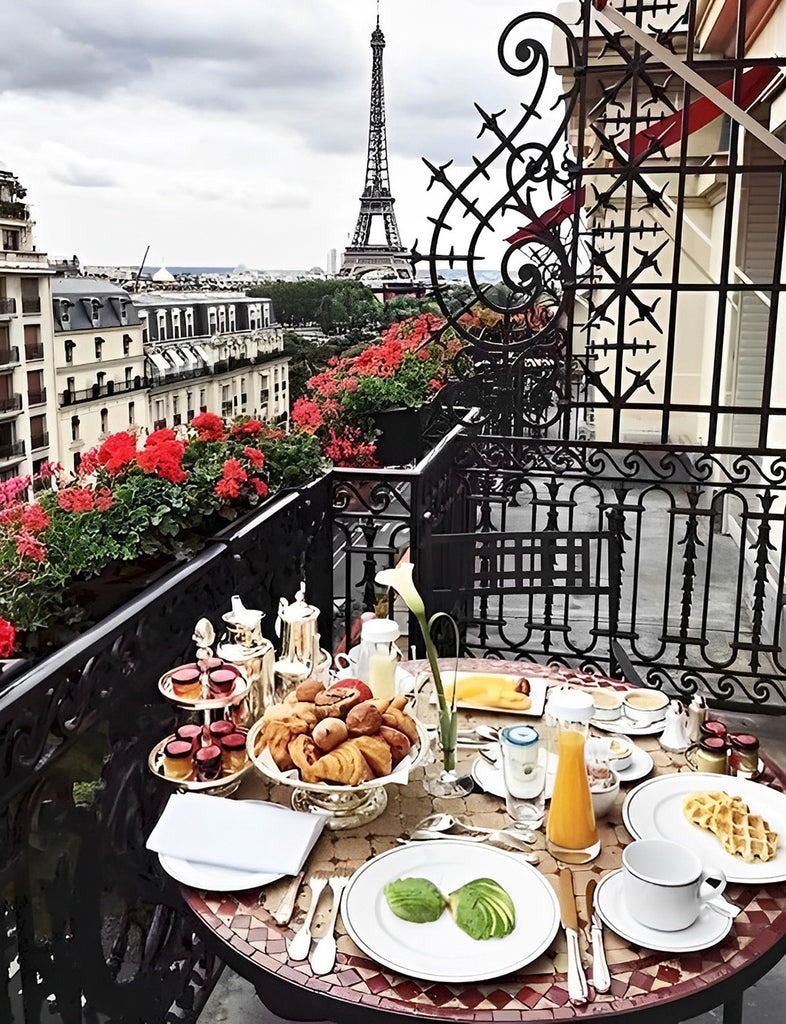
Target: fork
(323, 958)
(300, 943)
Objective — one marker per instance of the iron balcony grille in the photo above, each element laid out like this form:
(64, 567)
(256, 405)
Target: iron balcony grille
(112, 387)
(11, 403)
(39, 441)
(33, 352)
(7, 307)
(15, 450)
(36, 397)
(9, 356)
(31, 305)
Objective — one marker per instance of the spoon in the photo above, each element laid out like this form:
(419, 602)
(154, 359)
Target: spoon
(502, 836)
(480, 734)
(442, 823)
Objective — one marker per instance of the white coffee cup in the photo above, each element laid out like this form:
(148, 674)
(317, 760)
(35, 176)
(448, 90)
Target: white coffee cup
(664, 885)
(349, 661)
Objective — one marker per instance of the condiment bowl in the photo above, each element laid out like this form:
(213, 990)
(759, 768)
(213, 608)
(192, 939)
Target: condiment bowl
(608, 705)
(645, 706)
(603, 800)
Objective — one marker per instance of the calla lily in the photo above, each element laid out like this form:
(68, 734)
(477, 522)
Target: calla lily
(400, 579)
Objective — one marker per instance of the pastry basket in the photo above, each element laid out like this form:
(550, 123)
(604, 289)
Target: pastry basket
(344, 806)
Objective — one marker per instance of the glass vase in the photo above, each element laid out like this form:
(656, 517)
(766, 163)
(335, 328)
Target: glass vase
(441, 778)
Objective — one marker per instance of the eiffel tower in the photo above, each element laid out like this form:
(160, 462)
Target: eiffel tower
(361, 257)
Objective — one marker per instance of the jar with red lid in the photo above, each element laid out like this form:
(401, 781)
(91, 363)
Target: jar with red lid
(744, 755)
(710, 754)
(233, 756)
(208, 763)
(710, 727)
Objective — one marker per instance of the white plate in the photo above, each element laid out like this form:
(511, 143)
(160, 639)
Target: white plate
(538, 685)
(653, 810)
(440, 950)
(211, 877)
(489, 777)
(627, 727)
(707, 930)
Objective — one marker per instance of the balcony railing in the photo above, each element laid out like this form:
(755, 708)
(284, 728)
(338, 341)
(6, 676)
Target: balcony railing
(14, 450)
(13, 211)
(39, 441)
(13, 403)
(31, 305)
(34, 352)
(36, 397)
(7, 307)
(157, 380)
(9, 356)
(112, 387)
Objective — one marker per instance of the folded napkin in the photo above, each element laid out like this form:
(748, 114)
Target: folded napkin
(242, 834)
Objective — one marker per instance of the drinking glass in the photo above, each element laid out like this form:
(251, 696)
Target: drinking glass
(524, 760)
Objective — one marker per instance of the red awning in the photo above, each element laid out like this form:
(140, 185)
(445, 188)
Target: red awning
(665, 133)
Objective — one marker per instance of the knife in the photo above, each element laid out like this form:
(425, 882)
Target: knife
(600, 969)
(577, 982)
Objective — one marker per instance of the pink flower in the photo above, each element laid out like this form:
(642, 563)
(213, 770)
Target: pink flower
(28, 547)
(34, 518)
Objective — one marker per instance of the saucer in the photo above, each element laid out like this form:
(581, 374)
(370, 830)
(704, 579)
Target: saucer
(707, 930)
(640, 766)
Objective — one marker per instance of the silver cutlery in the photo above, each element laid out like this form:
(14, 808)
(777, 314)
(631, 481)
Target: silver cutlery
(577, 981)
(300, 943)
(287, 904)
(323, 957)
(443, 822)
(500, 837)
(601, 978)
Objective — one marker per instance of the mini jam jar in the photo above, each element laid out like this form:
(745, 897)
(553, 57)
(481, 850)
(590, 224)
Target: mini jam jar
(711, 755)
(208, 763)
(186, 682)
(218, 730)
(177, 760)
(191, 734)
(221, 681)
(712, 728)
(744, 755)
(233, 756)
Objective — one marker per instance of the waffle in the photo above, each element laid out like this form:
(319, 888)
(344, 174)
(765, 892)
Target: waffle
(742, 834)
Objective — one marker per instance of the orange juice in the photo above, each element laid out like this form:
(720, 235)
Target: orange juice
(571, 822)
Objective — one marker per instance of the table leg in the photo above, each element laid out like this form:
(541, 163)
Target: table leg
(732, 1010)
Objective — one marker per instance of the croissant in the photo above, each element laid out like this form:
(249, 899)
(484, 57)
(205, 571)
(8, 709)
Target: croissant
(344, 764)
(377, 753)
(304, 753)
(400, 720)
(276, 738)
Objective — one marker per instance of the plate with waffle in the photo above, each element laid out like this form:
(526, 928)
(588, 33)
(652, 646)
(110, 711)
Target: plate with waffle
(729, 822)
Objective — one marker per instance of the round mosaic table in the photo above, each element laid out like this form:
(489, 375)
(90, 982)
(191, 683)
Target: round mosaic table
(657, 986)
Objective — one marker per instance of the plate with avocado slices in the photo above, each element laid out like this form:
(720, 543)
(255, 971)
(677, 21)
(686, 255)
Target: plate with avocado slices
(450, 911)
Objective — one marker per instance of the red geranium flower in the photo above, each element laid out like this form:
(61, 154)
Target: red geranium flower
(259, 486)
(209, 426)
(163, 459)
(248, 428)
(7, 638)
(34, 518)
(254, 456)
(75, 499)
(28, 547)
(116, 452)
(165, 434)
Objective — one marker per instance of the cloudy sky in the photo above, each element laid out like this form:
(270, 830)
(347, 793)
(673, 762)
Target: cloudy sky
(223, 132)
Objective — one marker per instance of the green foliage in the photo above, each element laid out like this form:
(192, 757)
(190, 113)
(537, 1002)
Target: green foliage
(339, 306)
(293, 459)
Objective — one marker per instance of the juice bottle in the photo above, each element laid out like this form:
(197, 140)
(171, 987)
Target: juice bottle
(571, 833)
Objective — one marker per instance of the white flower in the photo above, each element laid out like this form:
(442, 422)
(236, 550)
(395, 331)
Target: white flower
(400, 579)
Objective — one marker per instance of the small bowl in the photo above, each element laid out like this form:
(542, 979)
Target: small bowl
(620, 753)
(603, 800)
(608, 705)
(645, 706)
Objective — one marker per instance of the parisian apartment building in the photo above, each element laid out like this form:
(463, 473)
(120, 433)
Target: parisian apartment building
(81, 358)
(28, 404)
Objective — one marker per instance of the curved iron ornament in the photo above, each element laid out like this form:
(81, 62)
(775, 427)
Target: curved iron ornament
(519, 361)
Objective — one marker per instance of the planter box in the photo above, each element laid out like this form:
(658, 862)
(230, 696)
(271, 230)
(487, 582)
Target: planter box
(401, 438)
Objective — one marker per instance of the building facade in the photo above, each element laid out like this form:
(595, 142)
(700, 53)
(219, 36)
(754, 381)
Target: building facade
(219, 352)
(27, 392)
(99, 365)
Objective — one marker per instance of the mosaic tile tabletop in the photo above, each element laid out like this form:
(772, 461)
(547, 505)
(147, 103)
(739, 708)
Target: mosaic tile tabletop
(536, 993)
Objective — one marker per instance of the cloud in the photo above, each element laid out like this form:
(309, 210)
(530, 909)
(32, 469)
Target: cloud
(70, 168)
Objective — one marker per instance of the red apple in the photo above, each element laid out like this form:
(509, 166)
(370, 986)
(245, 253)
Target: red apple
(355, 684)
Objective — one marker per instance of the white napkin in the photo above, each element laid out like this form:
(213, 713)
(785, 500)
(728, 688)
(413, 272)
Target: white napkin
(242, 834)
